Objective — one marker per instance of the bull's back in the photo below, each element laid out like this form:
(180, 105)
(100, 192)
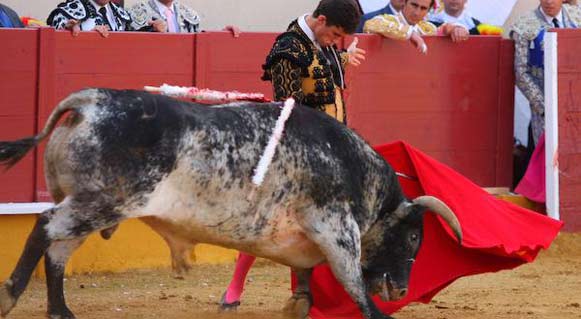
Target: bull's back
(123, 141)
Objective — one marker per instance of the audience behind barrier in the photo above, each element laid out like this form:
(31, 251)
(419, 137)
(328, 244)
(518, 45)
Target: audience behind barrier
(168, 16)
(454, 12)
(411, 24)
(392, 7)
(528, 33)
(9, 18)
(88, 15)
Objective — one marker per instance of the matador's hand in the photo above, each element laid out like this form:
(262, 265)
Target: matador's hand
(356, 55)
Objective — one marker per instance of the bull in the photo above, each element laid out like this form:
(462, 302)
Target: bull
(186, 170)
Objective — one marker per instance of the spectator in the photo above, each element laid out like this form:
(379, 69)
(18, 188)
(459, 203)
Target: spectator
(304, 64)
(87, 15)
(167, 16)
(454, 12)
(392, 7)
(528, 33)
(410, 24)
(9, 18)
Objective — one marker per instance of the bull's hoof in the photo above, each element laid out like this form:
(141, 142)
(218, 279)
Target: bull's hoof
(68, 315)
(63, 313)
(180, 266)
(380, 315)
(7, 301)
(176, 275)
(225, 306)
(298, 306)
(181, 269)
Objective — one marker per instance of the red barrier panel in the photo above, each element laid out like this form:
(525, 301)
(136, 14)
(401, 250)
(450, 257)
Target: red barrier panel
(455, 103)
(227, 63)
(121, 61)
(19, 69)
(569, 94)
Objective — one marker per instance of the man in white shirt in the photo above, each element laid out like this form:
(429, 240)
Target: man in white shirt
(454, 12)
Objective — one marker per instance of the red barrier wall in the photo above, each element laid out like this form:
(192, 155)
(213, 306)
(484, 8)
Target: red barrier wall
(19, 69)
(569, 94)
(227, 63)
(455, 103)
(121, 61)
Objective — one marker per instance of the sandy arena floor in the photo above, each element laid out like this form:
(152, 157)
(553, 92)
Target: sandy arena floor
(549, 288)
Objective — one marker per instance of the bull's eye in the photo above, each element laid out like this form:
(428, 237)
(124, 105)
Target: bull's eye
(414, 237)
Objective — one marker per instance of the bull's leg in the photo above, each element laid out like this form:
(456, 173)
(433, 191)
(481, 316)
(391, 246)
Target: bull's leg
(36, 244)
(55, 261)
(180, 257)
(301, 301)
(180, 248)
(67, 221)
(339, 239)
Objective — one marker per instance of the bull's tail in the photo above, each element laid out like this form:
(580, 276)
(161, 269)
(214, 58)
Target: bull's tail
(13, 151)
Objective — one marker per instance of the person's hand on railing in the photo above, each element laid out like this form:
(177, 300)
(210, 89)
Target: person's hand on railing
(459, 34)
(103, 30)
(158, 25)
(233, 29)
(74, 26)
(419, 43)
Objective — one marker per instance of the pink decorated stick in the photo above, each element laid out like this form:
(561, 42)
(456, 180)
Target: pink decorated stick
(206, 95)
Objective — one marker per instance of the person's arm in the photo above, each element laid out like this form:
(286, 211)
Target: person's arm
(234, 30)
(456, 32)
(524, 79)
(14, 19)
(388, 26)
(353, 55)
(58, 20)
(142, 20)
(286, 81)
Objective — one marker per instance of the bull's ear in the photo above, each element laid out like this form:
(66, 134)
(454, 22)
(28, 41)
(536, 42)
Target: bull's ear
(440, 208)
(407, 212)
(415, 213)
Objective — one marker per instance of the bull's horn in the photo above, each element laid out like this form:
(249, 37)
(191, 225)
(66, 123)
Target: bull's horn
(440, 208)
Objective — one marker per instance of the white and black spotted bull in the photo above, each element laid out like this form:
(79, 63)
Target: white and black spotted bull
(186, 168)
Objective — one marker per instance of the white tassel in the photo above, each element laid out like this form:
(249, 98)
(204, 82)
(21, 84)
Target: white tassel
(172, 90)
(207, 95)
(268, 153)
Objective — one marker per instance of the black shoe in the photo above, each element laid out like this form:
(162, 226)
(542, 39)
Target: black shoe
(224, 306)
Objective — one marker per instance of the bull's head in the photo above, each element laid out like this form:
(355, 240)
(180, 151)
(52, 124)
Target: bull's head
(391, 245)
